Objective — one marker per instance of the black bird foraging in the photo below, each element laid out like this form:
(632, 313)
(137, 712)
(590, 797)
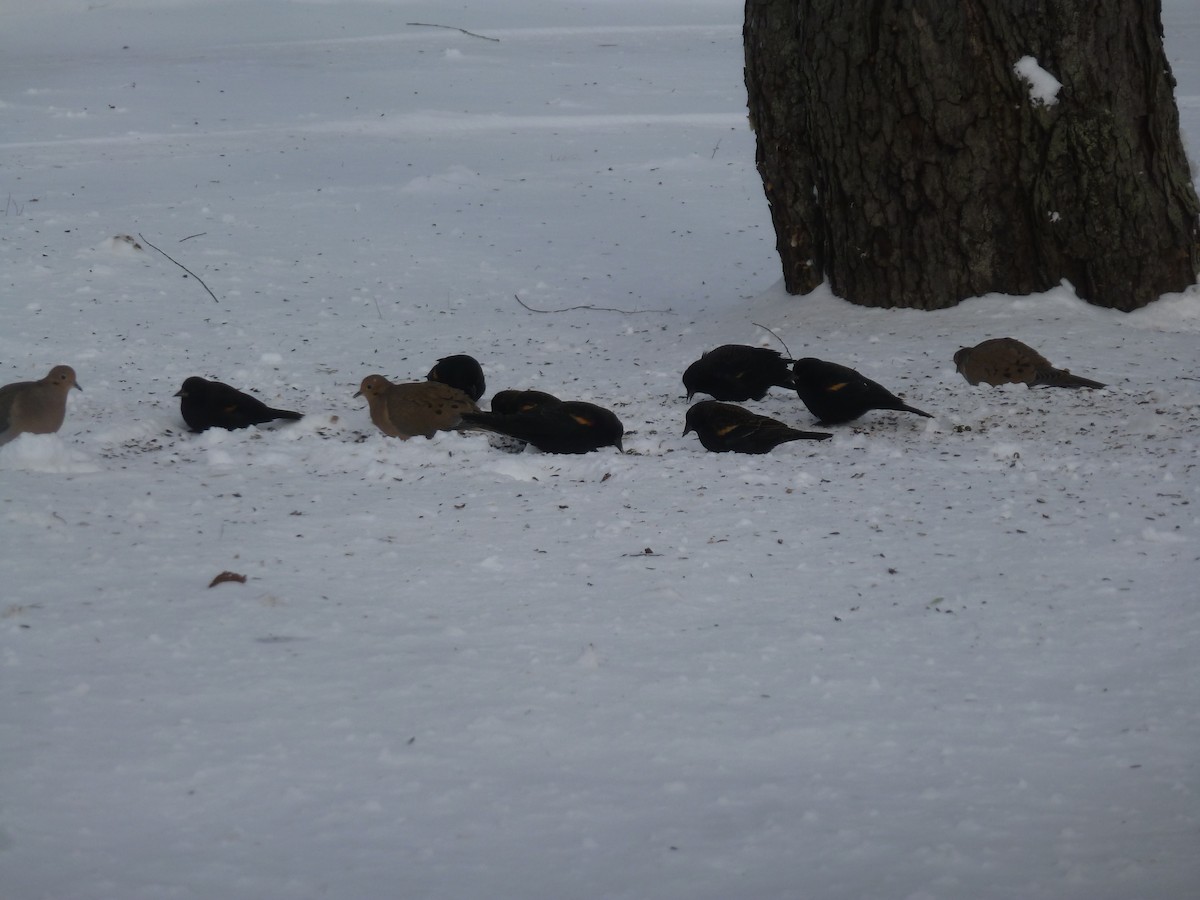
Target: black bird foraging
(738, 372)
(511, 401)
(570, 426)
(837, 394)
(726, 428)
(462, 372)
(211, 404)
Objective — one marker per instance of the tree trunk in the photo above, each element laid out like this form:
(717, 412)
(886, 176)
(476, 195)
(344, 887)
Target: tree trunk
(905, 159)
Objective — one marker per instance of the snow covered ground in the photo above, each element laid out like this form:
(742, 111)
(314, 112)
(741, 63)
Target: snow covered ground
(929, 659)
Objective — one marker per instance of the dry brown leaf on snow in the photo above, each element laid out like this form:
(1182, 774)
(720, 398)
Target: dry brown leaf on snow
(227, 576)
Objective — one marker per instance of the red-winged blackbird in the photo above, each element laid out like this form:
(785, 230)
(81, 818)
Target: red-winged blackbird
(570, 426)
(511, 401)
(837, 394)
(1007, 361)
(418, 407)
(462, 372)
(35, 407)
(212, 404)
(737, 372)
(723, 427)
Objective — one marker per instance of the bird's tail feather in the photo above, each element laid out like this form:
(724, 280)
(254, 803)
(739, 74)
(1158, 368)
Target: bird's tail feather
(1063, 378)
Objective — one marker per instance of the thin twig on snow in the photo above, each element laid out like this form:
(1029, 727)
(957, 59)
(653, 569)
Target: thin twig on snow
(771, 331)
(627, 312)
(182, 266)
(482, 37)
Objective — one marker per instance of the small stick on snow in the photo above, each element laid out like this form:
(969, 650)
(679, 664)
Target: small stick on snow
(482, 37)
(182, 266)
(628, 312)
(774, 335)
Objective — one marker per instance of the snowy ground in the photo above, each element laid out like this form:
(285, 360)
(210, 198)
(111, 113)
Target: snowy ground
(941, 659)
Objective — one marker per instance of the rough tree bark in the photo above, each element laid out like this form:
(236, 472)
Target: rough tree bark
(907, 162)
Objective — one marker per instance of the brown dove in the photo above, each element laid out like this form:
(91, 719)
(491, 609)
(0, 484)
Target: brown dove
(1007, 361)
(419, 407)
(35, 407)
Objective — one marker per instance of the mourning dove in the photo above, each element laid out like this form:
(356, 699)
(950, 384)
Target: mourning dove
(570, 426)
(1007, 361)
(724, 427)
(737, 372)
(462, 372)
(419, 407)
(35, 407)
(208, 404)
(837, 394)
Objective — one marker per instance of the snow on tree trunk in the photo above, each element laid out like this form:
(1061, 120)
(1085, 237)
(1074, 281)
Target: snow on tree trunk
(918, 152)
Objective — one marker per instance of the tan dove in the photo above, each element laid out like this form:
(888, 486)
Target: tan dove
(35, 407)
(419, 407)
(1007, 361)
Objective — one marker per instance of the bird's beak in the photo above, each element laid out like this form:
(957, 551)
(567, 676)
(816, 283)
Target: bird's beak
(358, 393)
(687, 431)
(180, 393)
(77, 385)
